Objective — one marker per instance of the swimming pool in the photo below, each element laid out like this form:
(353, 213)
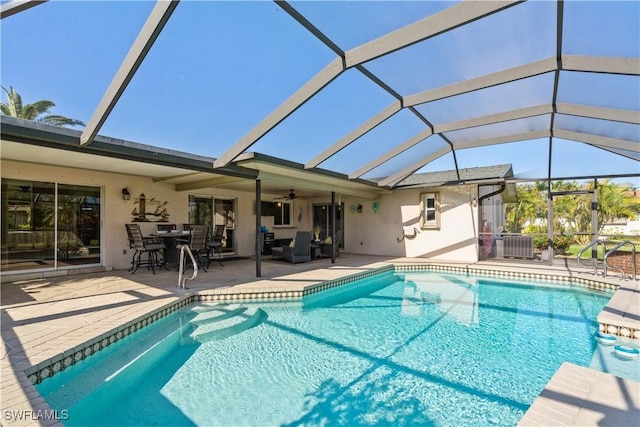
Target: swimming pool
(414, 348)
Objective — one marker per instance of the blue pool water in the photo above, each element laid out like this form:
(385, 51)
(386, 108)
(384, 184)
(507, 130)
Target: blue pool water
(397, 349)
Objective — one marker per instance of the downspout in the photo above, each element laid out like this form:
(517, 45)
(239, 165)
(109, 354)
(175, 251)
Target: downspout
(481, 199)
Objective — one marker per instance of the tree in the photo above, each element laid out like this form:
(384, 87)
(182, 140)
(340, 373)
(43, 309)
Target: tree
(572, 213)
(614, 202)
(529, 207)
(37, 111)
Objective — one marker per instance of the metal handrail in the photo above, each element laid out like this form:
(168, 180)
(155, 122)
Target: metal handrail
(594, 262)
(183, 283)
(633, 259)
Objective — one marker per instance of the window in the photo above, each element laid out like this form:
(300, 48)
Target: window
(282, 216)
(430, 211)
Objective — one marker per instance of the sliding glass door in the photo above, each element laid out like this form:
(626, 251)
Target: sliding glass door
(322, 220)
(49, 225)
(212, 211)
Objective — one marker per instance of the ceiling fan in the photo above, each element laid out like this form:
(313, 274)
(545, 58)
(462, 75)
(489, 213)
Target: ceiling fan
(291, 196)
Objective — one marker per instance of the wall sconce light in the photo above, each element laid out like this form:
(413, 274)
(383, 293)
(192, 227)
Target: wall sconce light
(374, 207)
(125, 194)
(359, 208)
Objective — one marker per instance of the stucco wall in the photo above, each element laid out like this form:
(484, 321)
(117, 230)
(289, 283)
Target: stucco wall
(117, 212)
(378, 233)
(366, 232)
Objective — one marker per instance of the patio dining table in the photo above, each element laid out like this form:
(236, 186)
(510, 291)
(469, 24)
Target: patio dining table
(170, 239)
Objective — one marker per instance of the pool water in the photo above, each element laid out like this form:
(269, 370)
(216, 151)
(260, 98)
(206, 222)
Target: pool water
(396, 349)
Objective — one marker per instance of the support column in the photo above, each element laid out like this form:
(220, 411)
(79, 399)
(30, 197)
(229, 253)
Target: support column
(550, 225)
(333, 227)
(594, 218)
(258, 228)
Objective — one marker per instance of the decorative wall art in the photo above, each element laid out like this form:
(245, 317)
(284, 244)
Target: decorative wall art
(140, 213)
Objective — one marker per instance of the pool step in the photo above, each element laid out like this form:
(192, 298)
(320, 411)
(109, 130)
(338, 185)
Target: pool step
(223, 325)
(215, 313)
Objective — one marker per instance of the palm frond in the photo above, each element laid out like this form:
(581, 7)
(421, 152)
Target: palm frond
(14, 108)
(60, 121)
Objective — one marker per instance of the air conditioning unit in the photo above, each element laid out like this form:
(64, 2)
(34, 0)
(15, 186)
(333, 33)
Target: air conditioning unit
(518, 246)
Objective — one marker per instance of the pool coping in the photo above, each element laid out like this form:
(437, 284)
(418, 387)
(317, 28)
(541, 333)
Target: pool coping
(57, 363)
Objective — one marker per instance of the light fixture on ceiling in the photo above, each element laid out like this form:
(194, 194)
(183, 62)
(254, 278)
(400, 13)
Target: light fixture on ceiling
(125, 194)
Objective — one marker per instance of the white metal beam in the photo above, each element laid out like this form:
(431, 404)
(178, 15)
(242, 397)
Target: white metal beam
(17, 6)
(430, 26)
(524, 136)
(597, 140)
(295, 101)
(391, 154)
(601, 64)
(148, 34)
(355, 134)
(493, 79)
(494, 118)
(392, 180)
(623, 116)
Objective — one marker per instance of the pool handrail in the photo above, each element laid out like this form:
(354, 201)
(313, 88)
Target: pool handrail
(633, 259)
(183, 283)
(605, 267)
(594, 262)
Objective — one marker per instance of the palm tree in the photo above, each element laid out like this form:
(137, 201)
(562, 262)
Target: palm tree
(14, 108)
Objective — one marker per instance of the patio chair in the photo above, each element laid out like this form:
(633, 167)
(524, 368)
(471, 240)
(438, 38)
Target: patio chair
(325, 247)
(132, 247)
(142, 245)
(300, 251)
(215, 243)
(198, 244)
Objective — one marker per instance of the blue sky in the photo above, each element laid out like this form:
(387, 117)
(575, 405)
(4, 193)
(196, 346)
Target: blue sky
(219, 68)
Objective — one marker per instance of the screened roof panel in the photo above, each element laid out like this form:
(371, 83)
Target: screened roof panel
(530, 92)
(507, 39)
(529, 158)
(601, 28)
(443, 163)
(44, 52)
(573, 159)
(625, 131)
(511, 127)
(342, 111)
(598, 89)
(224, 93)
(432, 148)
(226, 78)
(350, 24)
(401, 127)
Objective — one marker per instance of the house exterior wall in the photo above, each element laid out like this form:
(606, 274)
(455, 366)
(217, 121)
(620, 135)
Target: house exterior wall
(117, 212)
(378, 233)
(366, 232)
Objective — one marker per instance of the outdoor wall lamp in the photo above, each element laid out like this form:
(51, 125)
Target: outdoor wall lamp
(125, 194)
